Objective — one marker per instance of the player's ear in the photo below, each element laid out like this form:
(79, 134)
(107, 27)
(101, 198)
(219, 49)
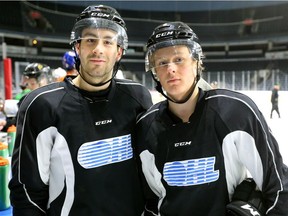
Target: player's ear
(119, 54)
(76, 48)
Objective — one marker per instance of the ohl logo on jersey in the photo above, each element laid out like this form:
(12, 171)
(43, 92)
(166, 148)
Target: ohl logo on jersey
(103, 152)
(190, 172)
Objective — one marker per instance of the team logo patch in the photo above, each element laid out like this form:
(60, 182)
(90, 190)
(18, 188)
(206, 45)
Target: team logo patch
(190, 172)
(103, 152)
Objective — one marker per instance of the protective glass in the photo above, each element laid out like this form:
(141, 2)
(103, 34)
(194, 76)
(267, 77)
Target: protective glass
(194, 47)
(155, 63)
(121, 35)
(161, 63)
(91, 42)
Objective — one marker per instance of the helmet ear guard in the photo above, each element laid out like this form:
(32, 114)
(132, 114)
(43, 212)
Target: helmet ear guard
(76, 59)
(77, 62)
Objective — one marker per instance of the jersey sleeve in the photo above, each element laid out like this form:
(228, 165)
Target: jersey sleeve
(251, 144)
(144, 138)
(28, 191)
(137, 92)
(275, 175)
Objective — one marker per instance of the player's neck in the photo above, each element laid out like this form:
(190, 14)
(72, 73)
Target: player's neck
(82, 84)
(185, 110)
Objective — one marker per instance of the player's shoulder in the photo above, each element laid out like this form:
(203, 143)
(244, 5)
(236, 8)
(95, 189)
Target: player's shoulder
(152, 113)
(226, 94)
(42, 94)
(225, 99)
(135, 90)
(128, 84)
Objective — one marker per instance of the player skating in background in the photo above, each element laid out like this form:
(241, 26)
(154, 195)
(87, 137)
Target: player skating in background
(274, 100)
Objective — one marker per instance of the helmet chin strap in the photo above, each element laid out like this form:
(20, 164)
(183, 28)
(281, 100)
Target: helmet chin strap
(77, 66)
(160, 90)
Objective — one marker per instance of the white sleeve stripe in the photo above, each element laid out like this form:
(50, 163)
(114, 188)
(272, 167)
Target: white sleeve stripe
(146, 114)
(128, 83)
(150, 211)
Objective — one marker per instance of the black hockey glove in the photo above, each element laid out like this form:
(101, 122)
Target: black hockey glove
(246, 200)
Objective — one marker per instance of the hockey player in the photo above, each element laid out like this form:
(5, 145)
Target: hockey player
(274, 100)
(76, 157)
(34, 75)
(68, 63)
(198, 146)
(37, 75)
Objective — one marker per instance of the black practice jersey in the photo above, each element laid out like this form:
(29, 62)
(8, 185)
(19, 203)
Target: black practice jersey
(194, 167)
(74, 155)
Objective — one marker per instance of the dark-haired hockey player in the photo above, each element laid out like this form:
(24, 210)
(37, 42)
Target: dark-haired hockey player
(73, 153)
(198, 146)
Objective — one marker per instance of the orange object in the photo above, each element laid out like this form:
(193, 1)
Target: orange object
(3, 161)
(4, 181)
(3, 146)
(12, 128)
(11, 136)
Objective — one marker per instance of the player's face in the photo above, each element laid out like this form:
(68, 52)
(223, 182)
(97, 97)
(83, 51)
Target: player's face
(175, 69)
(98, 52)
(32, 84)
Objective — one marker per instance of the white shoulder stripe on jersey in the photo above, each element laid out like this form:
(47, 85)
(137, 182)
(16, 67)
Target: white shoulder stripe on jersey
(129, 83)
(146, 114)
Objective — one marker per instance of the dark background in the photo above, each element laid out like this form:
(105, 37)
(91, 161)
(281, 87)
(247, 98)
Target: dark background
(235, 35)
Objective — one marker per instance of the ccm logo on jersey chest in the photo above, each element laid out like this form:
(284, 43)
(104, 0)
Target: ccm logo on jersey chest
(103, 122)
(182, 144)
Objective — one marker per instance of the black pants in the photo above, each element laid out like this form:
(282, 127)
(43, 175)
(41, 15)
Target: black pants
(276, 108)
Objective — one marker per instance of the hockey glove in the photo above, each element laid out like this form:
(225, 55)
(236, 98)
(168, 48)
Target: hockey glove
(246, 201)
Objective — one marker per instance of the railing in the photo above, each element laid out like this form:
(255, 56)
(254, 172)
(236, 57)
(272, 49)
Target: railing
(261, 80)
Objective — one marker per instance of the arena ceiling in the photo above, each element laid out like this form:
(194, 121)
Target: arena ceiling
(229, 31)
(182, 6)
